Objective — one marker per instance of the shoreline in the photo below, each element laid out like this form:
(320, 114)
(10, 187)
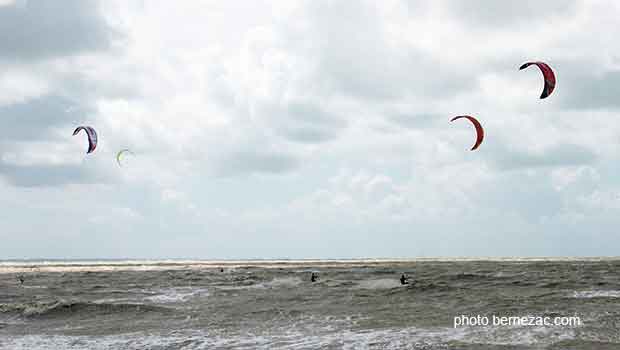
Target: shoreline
(26, 266)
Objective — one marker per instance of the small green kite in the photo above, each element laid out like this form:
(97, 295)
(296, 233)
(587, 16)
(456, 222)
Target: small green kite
(120, 154)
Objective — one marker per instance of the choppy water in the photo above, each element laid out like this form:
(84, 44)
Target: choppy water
(273, 305)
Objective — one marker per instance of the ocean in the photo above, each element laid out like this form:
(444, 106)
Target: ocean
(354, 304)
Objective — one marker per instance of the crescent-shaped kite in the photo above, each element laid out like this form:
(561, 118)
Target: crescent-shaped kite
(548, 75)
(92, 137)
(120, 154)
(479, 130)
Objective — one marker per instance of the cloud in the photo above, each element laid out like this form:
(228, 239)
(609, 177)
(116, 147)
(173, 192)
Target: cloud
(242, 115)
(51, 175)
(255, 161)
(559, 155)
(492, 13)
(34, 152)
(304, 122)
(36, 118)
(415, 121)
(17, 86)
(587, 86)
(359, 56)
(35, 30)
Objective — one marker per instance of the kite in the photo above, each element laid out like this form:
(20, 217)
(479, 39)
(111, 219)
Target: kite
(548, 75)
(479, 130)
(120, 154)
(92, 137)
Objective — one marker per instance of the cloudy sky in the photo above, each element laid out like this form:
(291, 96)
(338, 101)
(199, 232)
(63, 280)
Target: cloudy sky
(302, 129)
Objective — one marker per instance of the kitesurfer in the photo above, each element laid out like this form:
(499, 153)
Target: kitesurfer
(21, 279)
(404, 280)
(313, 277)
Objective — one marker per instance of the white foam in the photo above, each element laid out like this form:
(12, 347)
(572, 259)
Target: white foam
(284, 282)
(159, 296)
(176, 295)
(114, 300)
(125, 341)
(172, 264)
(326, 333)
(384, 283)
(305, 332)
(589, 294)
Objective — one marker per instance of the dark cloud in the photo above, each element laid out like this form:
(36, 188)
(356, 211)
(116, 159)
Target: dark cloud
(33, 30)
(312, 113)
(381, 74)
(415, 121)
(34, 119)
(302, 121)
(355, 57)
(504, 13)
(256, 161)
(530, 197)
(559, 155)
(308, 134)
(308, 123)
(50, 175)
(585, 87)
(87, 89)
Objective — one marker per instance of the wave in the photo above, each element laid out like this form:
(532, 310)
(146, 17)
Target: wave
(61, 308)
(326, 334)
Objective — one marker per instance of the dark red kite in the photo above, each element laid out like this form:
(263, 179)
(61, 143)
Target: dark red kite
(479, 130)
(548, 75)
(92, 136)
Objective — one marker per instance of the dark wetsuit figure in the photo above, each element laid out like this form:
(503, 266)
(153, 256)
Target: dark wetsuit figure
(314, 277)
(21, 279)
(404, 280)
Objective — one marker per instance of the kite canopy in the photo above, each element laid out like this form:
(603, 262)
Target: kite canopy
(120, 154)
(548, 75)
(92, 137)
(479, 130)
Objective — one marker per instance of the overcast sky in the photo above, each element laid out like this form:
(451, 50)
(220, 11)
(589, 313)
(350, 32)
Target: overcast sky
(308, 129)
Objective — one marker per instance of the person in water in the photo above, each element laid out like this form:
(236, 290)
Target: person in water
(404, 280)
(21, 279)
(313, 277)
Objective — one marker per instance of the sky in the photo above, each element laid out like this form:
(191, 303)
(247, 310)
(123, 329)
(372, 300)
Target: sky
(308, 129)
